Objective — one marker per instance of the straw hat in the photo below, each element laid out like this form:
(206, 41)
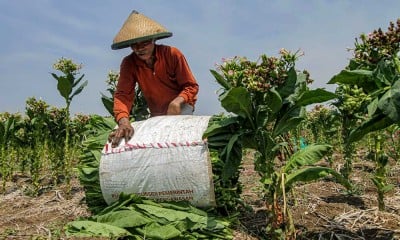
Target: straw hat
(138, 28)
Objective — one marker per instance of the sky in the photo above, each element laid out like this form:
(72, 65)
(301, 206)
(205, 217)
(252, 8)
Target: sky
(35, 34)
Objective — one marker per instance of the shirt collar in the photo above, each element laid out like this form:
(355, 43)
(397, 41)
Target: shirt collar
(140, 62)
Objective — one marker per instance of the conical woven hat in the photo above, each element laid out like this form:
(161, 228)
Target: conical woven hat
(138, 28)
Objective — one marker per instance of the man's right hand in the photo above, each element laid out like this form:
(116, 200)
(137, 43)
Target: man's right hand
(124, 130)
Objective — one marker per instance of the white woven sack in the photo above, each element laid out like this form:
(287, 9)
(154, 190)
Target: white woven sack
(166, 159)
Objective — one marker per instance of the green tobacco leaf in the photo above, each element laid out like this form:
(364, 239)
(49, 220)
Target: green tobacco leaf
(311, 174)
(89, 174)
(183, 206)
(77, 81)
(262, 116)
(79, 89)
(94, 229)
(55, 76)
(124, 219)
(377, 122)
(318, 95)
(220, 126)
(384, 73)
(352, 77)
(299, 89)
(237, 100)
(305, 175)
(285, 125)
(377, 182)
(220, 79)
(190, 221)
(389, 104)
(71, 78)
(381, 186)
(108, 103)
(101, 125)
(387, 188)
(7, 130)
(307, 156)
(290, 120)
(89, 161)
(124, 200)
(232, 164)
(372, 107)
(157, 231)
(64, 87)
(274, 100)
(289, 85)
(172, 215)
(301, 78)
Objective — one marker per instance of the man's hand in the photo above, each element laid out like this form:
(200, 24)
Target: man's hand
(124, 130)
(175, 106)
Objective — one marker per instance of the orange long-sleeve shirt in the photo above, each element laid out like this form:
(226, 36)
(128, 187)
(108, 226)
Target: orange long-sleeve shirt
(170, 78)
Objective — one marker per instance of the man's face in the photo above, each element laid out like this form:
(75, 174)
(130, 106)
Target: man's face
(144, 50)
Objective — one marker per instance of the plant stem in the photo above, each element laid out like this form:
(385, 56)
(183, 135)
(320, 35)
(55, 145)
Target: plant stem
(67, 156)
(380, 172)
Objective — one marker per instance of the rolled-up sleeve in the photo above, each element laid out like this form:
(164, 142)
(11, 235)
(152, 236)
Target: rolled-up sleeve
(185, 78)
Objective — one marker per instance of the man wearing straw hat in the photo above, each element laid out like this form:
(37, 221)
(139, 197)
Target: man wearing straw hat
(162, 73)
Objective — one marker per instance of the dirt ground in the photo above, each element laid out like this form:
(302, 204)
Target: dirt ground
(321, 210)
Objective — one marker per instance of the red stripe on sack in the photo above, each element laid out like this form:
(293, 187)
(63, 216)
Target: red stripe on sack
(129, 146)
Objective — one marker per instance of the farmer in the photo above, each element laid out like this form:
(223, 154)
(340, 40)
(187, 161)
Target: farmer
(162, 73)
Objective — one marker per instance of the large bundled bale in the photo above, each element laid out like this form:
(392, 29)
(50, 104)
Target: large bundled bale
(167, 159)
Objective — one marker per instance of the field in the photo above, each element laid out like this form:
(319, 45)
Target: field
(355, 142)
(321, 209)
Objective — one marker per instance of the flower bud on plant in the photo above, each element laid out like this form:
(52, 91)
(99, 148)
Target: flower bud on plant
(67, 66)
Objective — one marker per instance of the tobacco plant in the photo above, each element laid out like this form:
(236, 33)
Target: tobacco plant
(68, 87)
(375, 71)
(324, 123)
(267, 98)
(350, 103)
(381, 160)
(36, 139)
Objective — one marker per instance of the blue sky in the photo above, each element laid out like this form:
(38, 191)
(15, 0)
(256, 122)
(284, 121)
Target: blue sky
(34, 34)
